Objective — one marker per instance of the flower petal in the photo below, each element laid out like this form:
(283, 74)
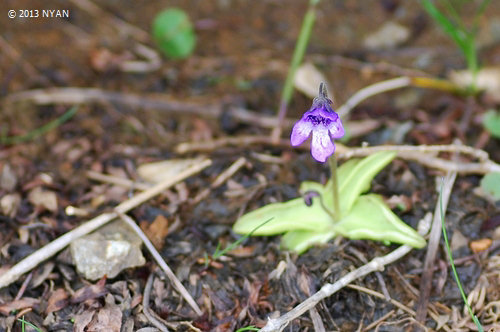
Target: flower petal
(300, 132)
(336, 129)
(321, 145)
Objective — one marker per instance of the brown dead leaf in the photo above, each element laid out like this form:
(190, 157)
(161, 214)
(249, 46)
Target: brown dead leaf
(9, 204)
(82, 320)
(8, 178)
(25, 302)
(480, 245)
(43, 198)
(201, 130)
(108, 318)
(156, 231)
(487, 79)
(243, 251)
(90, 292)
(307, 79)
(158, 171)
(57, 300)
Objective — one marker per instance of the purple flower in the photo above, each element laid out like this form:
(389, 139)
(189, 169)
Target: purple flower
(324, 124)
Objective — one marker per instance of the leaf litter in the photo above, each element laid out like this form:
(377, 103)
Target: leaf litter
(114, 138)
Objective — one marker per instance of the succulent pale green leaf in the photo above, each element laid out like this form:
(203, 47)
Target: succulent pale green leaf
(288, 216)
(490, 183)
(311, 186)
(491, 121)
(371, 219)
(300, 241)
(354, 177)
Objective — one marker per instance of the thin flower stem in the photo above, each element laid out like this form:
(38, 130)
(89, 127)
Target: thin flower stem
(333, 170)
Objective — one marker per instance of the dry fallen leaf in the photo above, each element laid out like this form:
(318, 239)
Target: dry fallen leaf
(156, 231)
(25, 302)
(389, 35)
(43, 198)
(90, 292)
(488, 79)
(480, 245)
(9, 204)
(82, 320)
(8, 179)
(307, 79)
(161, 170)
(58, 299)
(108, 318)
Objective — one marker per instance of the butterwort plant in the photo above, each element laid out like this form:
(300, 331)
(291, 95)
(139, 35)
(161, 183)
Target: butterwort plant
(341, 207)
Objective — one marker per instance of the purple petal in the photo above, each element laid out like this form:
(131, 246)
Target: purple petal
(336, 129)
(300, 132)
(321, 145)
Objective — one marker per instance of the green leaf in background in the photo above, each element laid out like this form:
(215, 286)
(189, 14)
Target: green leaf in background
(490, 183)
(174, 34)
(491, 121)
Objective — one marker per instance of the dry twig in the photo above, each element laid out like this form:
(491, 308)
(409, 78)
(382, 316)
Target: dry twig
(223, 177)
(119, 181)
(383, 297)
(145, 304)
(376, 264)
(231, 141)
(161, 262)
(432, 247)
(372, 90)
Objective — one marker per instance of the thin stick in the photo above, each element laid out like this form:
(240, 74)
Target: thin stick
(16, 57)
(50, 249)
(378, 321)
(145, 304)
(114, 22)
(161, 262)
(418, 153)
(233, 141)
(371, 90)
(223, 177)
(463, 149)
(89, 95)
(392, 84)
(432, 247)
(377, 264)
(382, 296)
(117, 180)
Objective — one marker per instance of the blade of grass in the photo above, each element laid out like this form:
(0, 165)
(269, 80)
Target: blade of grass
(452, 262)
(457, 34)
(39, 131)
(248, 328)
(218, 253)
(298, 55)
(23, 322)
(463, 37)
